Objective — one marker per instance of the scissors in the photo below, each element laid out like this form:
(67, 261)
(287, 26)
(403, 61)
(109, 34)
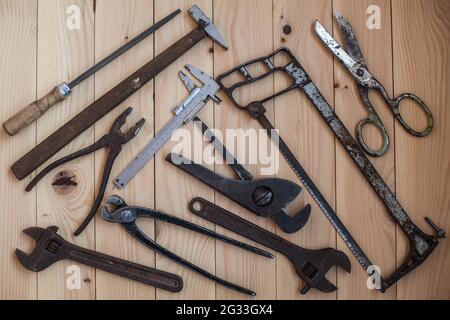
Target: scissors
(356, 65)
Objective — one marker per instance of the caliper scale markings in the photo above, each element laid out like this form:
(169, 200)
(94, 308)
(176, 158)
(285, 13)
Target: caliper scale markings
(184, 113)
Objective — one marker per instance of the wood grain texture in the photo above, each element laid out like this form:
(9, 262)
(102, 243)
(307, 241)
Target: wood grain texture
(174, 188)
(116, 22)
(305, 133)
(357, 204)
(421, 32)
(18, 22)
(249, 34)
(62, 55)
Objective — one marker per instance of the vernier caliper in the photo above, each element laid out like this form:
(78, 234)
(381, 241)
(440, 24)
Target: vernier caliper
(184, 113)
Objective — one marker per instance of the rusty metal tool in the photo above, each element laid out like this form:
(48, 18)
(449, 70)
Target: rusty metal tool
(184, 113)
(356, 65)
(51, 248)
(36, 109)
(311, 265)
(52, 144)
(114, 140)
(283, 220)
(286, 223)
(263, 197)
(127, 216)
(421, 244)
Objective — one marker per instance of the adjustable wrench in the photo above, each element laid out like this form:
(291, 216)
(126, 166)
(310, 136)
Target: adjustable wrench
(264, 197)
(311, 265)
(51, 248)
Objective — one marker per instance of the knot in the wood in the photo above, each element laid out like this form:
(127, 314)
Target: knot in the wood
(65, 182)
(287, 29)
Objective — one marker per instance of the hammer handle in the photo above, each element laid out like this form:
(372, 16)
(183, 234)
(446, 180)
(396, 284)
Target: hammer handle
(32, 112)
(60, 138)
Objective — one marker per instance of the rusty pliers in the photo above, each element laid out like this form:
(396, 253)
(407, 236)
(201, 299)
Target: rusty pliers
(114, 141)
(120, 212)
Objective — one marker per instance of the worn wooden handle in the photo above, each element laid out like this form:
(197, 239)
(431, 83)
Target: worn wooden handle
(32, 112)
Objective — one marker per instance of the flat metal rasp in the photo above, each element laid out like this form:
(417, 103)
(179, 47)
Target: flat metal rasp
(36, 109)
(74, 127)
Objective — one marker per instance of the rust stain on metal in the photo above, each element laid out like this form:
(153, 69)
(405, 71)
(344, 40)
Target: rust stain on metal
(137, 83)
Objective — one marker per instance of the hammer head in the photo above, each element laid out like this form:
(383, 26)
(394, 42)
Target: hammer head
(205, 23)
(48, 249)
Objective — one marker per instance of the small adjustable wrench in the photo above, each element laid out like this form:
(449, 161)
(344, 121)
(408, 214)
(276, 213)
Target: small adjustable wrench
(311, 265)
(51, 248)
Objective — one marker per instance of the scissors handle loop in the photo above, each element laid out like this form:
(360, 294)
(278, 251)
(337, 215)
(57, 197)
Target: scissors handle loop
(374, 120)
(395, 107)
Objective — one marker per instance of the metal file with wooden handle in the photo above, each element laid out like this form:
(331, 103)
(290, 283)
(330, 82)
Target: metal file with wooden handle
(110, 100)
(36, 109)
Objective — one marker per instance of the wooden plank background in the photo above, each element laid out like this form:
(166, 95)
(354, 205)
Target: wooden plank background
(409, 53)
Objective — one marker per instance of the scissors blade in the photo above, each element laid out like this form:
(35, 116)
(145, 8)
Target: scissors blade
(354, 51)
(335, 47)
(350, 40)
(359, 72)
